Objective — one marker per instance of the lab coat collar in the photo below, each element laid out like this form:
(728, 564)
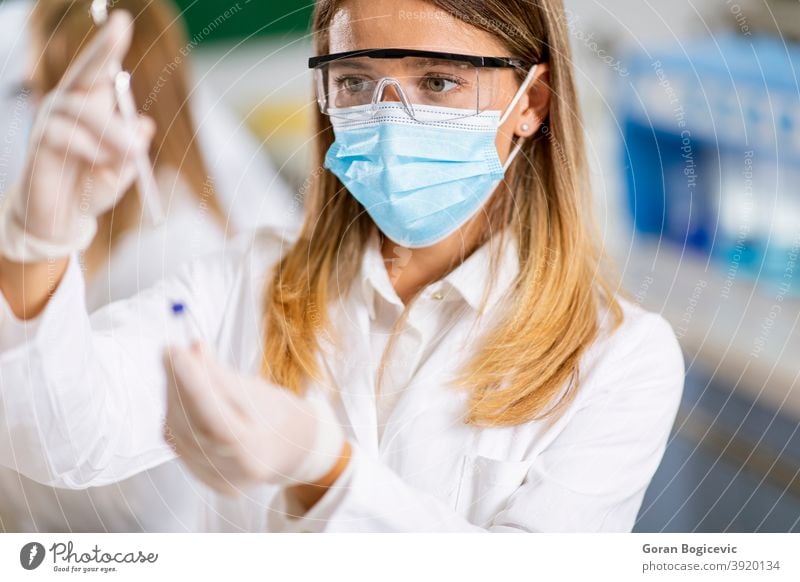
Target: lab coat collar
(475, 280)
(472, 281)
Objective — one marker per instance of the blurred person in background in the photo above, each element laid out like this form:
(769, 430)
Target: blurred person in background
(16, 109)
(214, 182)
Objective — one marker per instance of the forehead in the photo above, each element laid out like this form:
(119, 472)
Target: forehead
(413, 24)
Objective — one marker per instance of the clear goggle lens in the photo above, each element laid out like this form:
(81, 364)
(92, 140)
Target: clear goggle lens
(418, 83)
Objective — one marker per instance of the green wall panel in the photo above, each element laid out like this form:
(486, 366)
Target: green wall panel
(210, 20)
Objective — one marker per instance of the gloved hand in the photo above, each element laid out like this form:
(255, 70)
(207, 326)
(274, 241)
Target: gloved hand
(80, 157)
(235, 431)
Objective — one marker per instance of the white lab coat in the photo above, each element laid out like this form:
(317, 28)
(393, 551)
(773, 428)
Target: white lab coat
(165, 498)
(88, 410)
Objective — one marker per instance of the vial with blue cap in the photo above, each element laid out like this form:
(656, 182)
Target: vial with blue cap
(181, 331)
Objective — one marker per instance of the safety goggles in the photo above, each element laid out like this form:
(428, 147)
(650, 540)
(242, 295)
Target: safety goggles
(353, 84)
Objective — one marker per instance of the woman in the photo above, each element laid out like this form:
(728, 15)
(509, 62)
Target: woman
(438, 350)
(127, 254)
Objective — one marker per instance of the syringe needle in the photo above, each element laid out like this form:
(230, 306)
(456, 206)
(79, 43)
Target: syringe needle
(145, 181)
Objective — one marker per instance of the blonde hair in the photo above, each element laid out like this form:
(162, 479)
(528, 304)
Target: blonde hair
(61, 28)
(527, 366)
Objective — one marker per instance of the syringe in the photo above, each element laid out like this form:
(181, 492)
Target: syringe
(145, 181)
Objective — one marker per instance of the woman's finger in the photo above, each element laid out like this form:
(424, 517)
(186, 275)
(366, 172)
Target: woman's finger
(100, 118)
(213, 476)
(228, 384)
(66, 136)
(191, 380)
(222, 474)
(95, 63)
(119, 173)
(113, 183)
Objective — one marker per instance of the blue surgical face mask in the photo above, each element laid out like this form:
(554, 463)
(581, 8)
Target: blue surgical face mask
(420, 182)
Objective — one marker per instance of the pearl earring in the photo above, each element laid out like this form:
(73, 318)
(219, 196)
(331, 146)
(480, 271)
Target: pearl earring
(525, 127)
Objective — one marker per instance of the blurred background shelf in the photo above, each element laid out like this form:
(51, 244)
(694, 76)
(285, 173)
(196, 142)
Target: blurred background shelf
(727, 326)
(731, 466)
(710, 257)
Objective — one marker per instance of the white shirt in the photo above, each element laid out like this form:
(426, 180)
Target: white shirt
(89, 411)
(164, 498)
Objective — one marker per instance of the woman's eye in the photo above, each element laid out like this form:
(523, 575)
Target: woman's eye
(439, 84)
(354, 84)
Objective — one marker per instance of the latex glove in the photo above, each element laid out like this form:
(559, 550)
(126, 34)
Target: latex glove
(80, 158)
(235, 431)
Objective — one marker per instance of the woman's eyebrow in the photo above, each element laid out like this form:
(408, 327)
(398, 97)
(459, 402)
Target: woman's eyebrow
(350, 64)
(431, 62)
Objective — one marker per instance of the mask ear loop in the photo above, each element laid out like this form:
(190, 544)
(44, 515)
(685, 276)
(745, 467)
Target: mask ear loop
(503, 118)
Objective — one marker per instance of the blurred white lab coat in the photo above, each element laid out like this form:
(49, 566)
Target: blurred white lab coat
(83, 402)
(252, 194)
(164, 498)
